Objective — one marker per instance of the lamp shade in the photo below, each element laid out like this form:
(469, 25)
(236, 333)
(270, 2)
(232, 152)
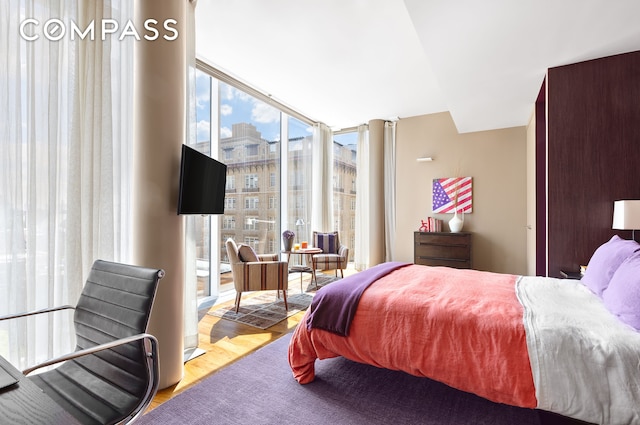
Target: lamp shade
(626, 215)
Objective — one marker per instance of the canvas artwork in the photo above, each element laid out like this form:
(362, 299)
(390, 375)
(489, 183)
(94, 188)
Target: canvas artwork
(452, 193)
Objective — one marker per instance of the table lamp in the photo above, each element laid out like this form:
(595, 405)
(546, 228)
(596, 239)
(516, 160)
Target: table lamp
(626, 216)
(299, 223)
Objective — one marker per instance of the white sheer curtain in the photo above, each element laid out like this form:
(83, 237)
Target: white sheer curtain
(389, 190)
(361, 256)
(322, 179)
(65, 135)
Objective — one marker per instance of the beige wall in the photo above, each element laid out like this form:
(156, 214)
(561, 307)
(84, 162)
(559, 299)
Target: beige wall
(497, 162)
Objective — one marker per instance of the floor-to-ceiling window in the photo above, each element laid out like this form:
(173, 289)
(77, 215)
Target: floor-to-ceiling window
(344, 187)
(249, 134)
(267, 150)
(244, 132)
(300, 138)
(198, 228)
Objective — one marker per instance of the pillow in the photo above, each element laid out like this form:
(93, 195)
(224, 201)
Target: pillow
(605, 261)
(327, 242)
(622, 297)
(247, 254)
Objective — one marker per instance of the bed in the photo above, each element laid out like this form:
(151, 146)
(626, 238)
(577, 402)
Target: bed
(567, 346)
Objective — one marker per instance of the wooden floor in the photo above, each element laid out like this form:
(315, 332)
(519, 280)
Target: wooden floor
(225, 341)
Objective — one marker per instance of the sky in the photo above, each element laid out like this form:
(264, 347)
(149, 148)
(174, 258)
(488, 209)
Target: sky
(237, 106)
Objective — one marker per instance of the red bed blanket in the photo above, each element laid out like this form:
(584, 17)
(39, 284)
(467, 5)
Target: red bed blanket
(460, 327)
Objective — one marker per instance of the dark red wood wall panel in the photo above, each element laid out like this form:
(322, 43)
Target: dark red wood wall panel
(541, 182)
(593, 131)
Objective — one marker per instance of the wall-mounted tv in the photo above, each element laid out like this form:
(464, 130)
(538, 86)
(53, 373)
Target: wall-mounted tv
(202, 183)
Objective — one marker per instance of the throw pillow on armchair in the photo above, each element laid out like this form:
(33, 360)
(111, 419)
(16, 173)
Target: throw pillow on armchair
(327, 242)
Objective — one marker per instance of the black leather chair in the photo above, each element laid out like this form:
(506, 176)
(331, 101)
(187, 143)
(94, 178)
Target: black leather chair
(113, 374)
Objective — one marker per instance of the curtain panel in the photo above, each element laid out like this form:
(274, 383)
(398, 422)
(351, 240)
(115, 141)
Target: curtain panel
(322, 179)
(65, 133)
(361, 255)
(366, 249)
(389, 190)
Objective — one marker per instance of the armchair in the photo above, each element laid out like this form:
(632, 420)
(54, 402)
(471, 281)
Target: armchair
(334, 256)
(113, 374)
(252, 272)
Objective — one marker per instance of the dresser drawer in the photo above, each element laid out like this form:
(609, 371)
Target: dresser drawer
(456, 264)
(453, 252)
(433, 238)
(442, 249)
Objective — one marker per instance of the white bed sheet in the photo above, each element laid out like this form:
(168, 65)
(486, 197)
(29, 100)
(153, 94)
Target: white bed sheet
(585, 362)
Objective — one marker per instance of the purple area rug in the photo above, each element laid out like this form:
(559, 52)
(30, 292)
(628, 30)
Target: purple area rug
(260, 389)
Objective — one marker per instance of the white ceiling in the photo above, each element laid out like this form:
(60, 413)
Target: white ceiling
(345, 62)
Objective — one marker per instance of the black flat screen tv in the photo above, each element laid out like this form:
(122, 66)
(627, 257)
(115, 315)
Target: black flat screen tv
(202, 183)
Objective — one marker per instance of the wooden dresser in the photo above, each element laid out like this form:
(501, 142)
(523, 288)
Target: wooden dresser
(442, 249)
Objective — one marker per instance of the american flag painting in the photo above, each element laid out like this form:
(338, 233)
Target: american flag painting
(445, 191)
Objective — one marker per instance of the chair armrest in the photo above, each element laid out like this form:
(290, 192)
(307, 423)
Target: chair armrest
(268, 257)
(254, 275)
(270, 266)
(151, 366)
(97, 348)
(268, 263)
(343, 251)
(242, 264)
(33, 313)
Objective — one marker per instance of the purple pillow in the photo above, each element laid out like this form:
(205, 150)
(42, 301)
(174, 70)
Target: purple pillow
(622, 297)
(327, 242)
(605, 261)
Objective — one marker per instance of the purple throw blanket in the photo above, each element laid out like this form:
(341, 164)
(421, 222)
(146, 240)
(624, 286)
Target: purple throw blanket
(335, 305)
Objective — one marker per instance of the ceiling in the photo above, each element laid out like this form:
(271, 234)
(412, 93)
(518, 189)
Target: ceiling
(345, 62)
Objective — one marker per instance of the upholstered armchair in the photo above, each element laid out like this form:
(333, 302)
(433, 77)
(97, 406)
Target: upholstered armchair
(334, 256)
(253, 272)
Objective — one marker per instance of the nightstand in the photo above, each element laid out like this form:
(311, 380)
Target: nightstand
(570, 275)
